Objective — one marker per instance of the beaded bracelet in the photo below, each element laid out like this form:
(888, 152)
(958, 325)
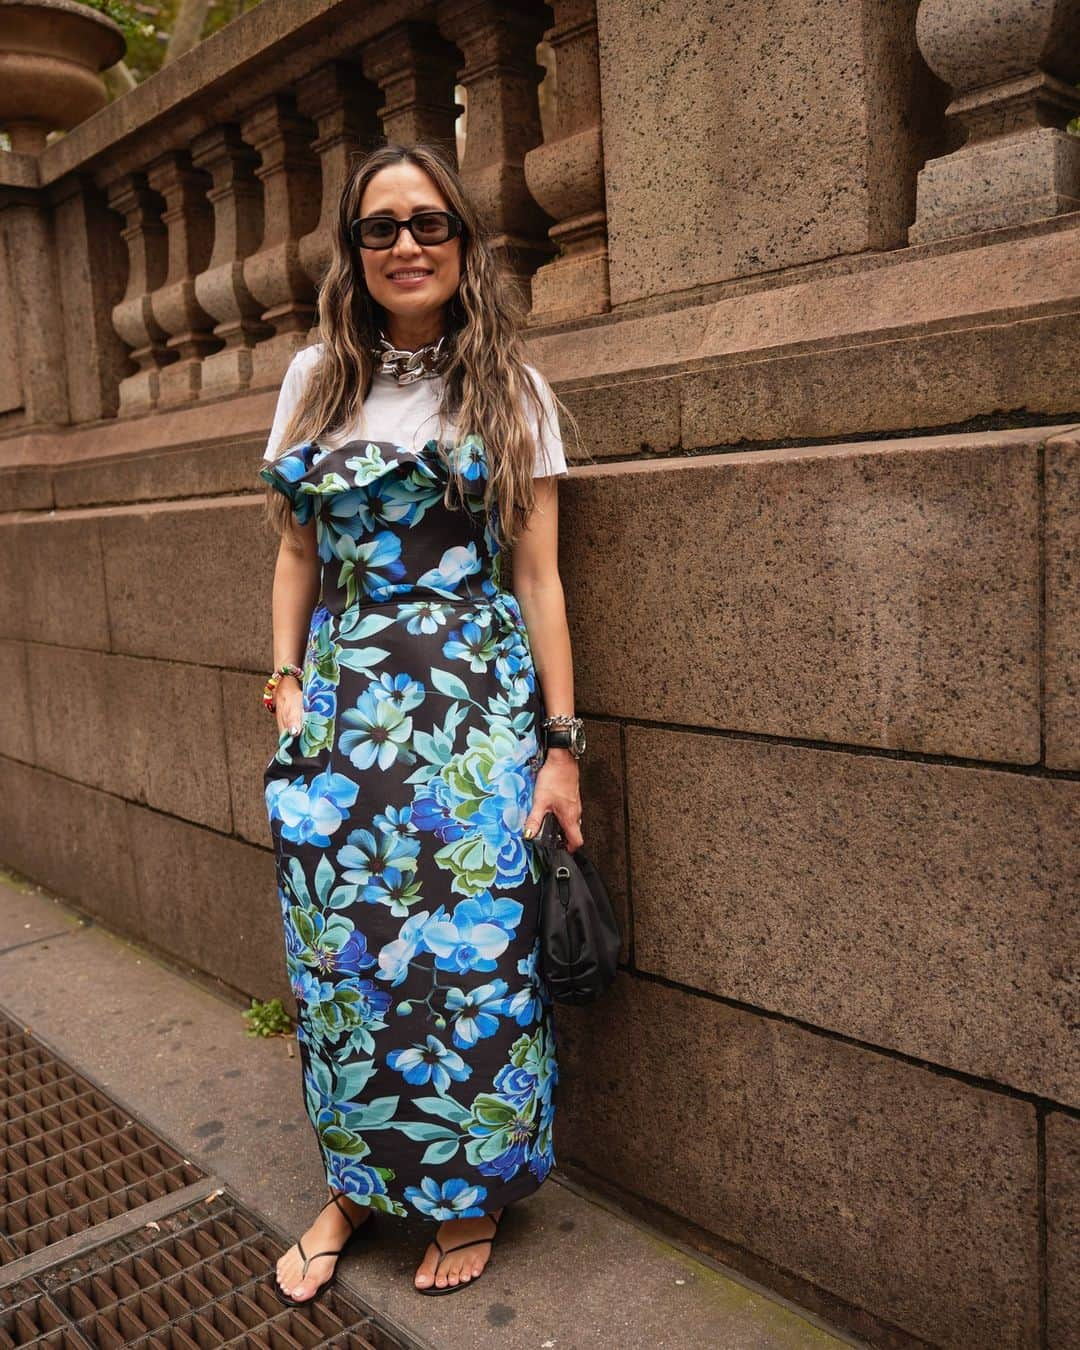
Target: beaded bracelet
(287, 668)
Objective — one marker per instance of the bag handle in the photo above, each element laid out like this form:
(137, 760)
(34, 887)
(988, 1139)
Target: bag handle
(558, 837)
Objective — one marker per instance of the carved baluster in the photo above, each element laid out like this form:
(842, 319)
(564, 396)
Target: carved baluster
(500, 75)
(566, 174)
(344, 107)
(1012, 66)
(237, 201)
(133, 318)
(190, 224)
(275, 275)
(414, 68)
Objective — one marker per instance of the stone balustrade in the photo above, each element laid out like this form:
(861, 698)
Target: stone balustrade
(1013, 67)
(223, 198)
(197, 210)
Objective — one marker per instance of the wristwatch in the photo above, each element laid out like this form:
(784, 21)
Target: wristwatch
(564, 732)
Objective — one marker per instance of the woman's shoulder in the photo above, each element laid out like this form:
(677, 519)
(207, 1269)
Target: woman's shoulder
(544, 392)
(537, 376)
(306, 357)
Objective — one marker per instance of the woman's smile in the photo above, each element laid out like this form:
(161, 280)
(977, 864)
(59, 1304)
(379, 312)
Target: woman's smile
(412, 276)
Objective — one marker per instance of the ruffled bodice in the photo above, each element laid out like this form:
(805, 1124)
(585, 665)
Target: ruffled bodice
(365, 498)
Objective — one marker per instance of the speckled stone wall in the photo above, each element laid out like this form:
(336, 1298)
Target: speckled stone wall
(767, 133)
(822, 571)
(826, 690)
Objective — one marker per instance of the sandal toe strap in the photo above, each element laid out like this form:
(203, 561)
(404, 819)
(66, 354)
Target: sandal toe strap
(462, 1245)
(315, 1256)
(476, 1242)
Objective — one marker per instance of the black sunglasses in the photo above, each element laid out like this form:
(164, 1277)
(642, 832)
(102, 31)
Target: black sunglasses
(426, 227)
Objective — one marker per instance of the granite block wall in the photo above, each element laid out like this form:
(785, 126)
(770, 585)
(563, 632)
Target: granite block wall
(831, 783)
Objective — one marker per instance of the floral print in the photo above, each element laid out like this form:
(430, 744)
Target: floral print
(408, 893)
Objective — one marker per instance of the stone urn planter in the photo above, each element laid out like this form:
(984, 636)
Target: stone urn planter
(51, 56)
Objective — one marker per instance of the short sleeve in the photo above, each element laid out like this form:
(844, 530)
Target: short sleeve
(550, 456)
(292, 389)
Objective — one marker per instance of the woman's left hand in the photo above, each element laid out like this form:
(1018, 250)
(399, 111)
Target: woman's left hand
(557, 789)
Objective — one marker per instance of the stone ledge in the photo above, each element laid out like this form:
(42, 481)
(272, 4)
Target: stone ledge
(911, 342)
(904, 294)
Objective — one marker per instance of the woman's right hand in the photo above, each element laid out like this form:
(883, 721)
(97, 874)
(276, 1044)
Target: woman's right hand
(289, 705)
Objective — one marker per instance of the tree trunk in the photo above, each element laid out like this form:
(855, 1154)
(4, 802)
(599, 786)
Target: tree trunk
(187, 30)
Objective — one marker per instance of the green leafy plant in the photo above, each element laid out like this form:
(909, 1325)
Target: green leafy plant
(124, 15)
(267, 1019)
(148, 27)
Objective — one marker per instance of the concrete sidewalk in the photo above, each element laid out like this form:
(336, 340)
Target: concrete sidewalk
(568, 1272)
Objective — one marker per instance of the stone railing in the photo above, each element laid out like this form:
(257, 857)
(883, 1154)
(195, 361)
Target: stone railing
(809, 278)
(209, 197)
(170, 248)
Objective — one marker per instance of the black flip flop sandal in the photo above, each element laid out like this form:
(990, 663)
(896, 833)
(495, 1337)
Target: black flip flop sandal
(445, 1251)
(361, 1229)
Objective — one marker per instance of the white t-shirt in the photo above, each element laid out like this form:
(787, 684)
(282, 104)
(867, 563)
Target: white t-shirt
(406, 414)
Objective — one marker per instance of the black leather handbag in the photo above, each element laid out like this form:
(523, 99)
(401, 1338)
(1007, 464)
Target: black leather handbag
(579, 936)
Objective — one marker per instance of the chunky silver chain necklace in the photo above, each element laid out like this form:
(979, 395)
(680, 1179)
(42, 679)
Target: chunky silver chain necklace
(406, 367)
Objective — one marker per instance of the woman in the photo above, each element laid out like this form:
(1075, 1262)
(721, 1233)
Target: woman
(415, 761)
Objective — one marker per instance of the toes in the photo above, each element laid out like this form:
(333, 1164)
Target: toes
(282, 1274)
(455, 1270)
(447, 1271)
(425, 1273)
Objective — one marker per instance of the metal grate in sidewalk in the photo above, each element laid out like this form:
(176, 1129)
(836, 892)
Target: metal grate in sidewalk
(203, 1281)
(108, 1237)
(69, 1157)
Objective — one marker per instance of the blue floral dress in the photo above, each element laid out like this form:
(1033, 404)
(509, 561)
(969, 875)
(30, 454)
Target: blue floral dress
(409, 895)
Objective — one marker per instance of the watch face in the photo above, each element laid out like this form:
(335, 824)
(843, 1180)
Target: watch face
(578, 740)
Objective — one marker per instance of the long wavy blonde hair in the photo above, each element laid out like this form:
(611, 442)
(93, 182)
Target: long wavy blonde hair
(485, 382)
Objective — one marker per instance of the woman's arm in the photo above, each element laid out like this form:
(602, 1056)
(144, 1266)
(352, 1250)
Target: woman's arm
(539, 592)
(296, 589)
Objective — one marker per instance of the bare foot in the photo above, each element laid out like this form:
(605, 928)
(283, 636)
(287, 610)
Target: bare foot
(457, 1267)
(327, 1233)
